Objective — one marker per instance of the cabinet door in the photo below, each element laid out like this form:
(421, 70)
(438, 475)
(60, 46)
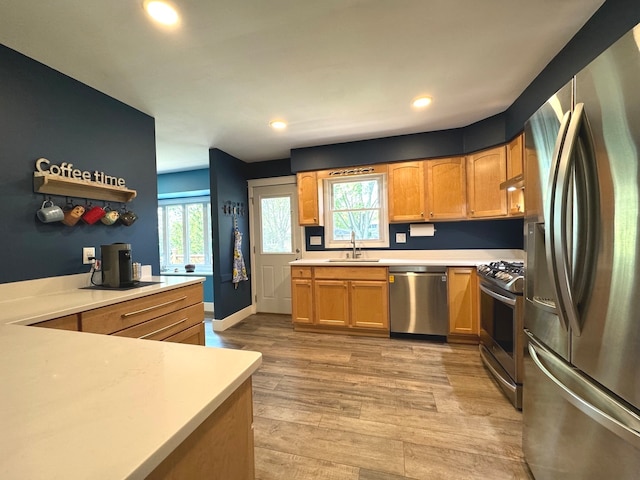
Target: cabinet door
(301, 300)
(463, 301)
(406, 191)
(486, 170)
(446, 189)
(308, 202)
(68, 322)
(369, 304)
(515, 167)
(331, 302)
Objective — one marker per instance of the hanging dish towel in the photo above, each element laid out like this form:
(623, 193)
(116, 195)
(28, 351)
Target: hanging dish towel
(239, 270)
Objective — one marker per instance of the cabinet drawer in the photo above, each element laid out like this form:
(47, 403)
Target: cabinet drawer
(300, 272)
(351, 273)
(192, 335)
(162, 327)
(69, 322)
(114, 318)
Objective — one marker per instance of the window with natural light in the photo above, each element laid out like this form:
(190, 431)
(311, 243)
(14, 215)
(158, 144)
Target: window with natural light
(356, 204)
(184, 230)
(275, 222)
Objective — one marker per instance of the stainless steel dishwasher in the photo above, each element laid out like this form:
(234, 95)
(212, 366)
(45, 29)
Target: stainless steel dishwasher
(418, 301)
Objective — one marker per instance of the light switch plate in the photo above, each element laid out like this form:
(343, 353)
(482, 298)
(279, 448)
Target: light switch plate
(315, 240)
(401, 238)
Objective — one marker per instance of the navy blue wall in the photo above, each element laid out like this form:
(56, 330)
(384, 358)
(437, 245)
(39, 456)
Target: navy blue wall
(487, 234)
(183, 184)
(46, 114)
(228, 184)
(269, 169)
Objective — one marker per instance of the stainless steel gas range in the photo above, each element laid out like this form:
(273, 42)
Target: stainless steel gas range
(501, 325)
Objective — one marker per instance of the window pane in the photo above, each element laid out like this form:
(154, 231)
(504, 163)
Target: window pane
(365, 223)
(176, 231)
(355, 195)
(276, 225)
(196, 233)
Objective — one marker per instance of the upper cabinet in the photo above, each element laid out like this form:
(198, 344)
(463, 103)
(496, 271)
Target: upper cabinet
(446, 189)
(486, 170)
(309, 199)
(515, 174)
(406, 191)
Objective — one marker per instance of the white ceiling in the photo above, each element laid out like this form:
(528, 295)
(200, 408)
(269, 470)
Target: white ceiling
(336, 70)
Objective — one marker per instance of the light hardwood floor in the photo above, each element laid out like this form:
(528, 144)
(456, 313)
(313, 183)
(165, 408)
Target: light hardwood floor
(334, 407)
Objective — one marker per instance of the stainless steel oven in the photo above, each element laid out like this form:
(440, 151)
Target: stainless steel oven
(501, 325)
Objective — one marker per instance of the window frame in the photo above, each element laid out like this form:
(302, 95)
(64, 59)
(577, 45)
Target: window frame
(184, 202)
(327, 183)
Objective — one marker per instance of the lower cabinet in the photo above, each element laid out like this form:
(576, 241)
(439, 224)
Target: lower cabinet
(464, 324)
(221, 448)
(342, 299)
(175, 316)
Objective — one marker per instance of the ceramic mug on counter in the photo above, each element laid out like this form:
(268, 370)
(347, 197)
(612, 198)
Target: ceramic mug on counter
(49, 212)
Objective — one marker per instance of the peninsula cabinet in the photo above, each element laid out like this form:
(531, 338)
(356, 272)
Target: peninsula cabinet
(486, 170)
(173, 316)
(301, 295)
(352, 300)
(515, 168)
(464, 324)
(446, 189)
(309, 199)
(406, 191)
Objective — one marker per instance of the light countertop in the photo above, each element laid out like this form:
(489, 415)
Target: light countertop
(79, 405)
(29, 302)
(388, 258)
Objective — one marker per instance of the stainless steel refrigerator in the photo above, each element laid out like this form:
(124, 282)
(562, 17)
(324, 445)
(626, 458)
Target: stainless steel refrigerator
(581, 389)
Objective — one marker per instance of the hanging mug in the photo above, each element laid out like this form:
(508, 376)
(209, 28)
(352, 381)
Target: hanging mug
(110, 216)
(49, 212)
(127, 217)
(72, 214)
(93, 214)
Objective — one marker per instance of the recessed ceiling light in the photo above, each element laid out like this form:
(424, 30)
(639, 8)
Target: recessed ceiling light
(161, 12)
(421, 102)
(278, 124)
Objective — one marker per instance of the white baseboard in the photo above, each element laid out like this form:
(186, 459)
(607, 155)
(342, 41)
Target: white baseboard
(228, 322)
(208, 308)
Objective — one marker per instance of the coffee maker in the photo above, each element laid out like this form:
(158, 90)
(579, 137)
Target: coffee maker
(117, 266)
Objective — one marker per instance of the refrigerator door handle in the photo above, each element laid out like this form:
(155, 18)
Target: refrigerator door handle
(614, 425)
(549, 231)
(560, 253)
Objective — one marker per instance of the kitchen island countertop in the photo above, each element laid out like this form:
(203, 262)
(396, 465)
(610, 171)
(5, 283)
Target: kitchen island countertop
(80, 405)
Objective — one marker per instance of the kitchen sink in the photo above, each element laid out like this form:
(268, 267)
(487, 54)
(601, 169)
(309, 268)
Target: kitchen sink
(355, 260)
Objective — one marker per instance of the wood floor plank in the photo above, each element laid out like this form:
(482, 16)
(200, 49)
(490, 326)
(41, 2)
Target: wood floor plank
(337, 407)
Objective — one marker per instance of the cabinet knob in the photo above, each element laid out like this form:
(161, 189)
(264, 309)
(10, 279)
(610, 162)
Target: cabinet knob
(431, 214)
(422, 214)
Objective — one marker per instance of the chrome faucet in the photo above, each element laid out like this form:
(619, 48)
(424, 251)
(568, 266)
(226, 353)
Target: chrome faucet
(353, 243)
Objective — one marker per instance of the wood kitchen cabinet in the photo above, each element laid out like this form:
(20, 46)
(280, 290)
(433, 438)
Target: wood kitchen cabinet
(486, 170)
(344, 299)
(515, 168)
(301, 295)
(406, 191)
(309, 199)
(464, 326)
(68, 322)
(446, 189)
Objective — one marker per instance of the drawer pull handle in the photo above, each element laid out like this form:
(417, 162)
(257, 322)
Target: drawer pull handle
(163, 328)
(130, 314)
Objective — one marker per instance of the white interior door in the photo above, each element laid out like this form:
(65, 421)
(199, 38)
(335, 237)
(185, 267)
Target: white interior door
(277, 241)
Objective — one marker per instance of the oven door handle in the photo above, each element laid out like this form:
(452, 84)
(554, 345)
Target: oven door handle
(497, 296)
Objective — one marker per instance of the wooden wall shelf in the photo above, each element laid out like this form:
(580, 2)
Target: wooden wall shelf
(71, 187)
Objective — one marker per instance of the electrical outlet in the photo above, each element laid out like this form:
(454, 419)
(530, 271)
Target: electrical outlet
(88, 255)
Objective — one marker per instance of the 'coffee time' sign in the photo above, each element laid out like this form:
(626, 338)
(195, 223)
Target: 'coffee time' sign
(66, 170)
